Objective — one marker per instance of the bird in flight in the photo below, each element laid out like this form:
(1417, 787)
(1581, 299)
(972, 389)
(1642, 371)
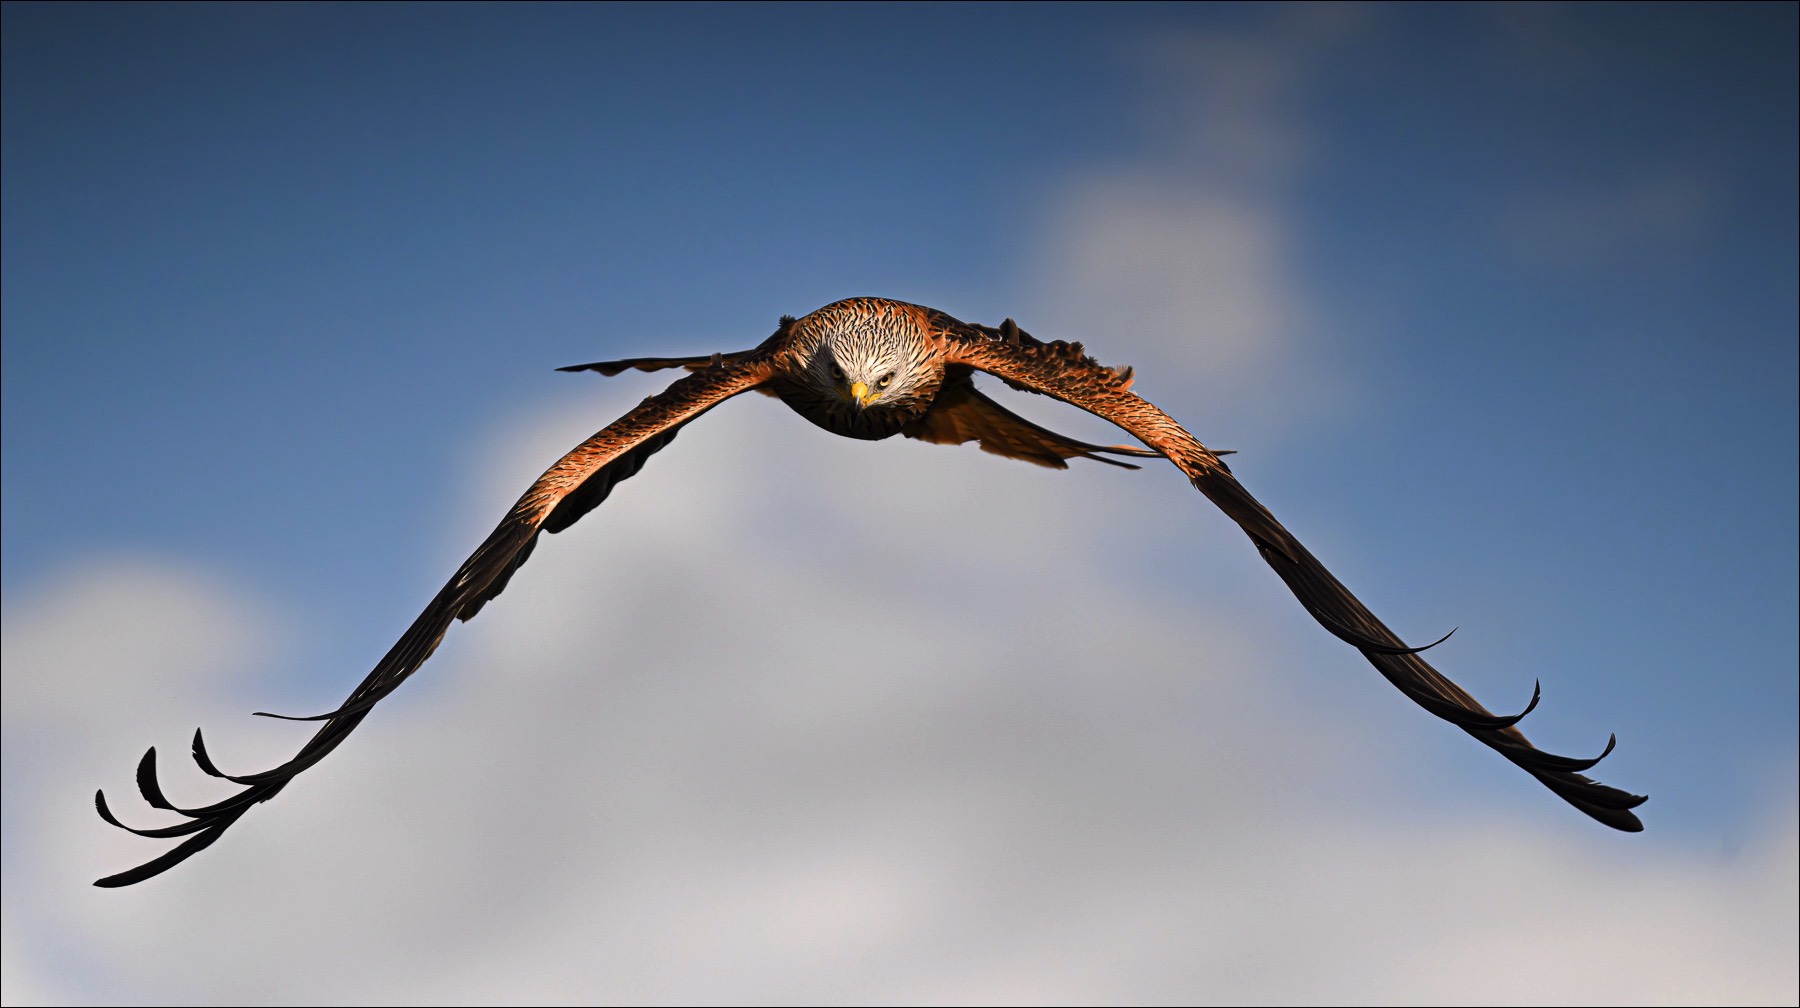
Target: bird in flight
(871, 368)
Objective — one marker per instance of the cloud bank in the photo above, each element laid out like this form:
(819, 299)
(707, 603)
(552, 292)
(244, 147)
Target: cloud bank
(903, 739)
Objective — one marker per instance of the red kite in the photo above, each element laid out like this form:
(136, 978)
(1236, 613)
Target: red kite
(871, 368)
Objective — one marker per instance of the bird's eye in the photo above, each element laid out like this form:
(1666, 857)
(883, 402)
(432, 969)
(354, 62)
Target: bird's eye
(885, 380)
(837, 372)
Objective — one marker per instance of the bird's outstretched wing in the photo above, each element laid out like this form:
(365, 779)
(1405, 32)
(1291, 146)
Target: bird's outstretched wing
(613, 367)
(569, 489)
(1063, 371)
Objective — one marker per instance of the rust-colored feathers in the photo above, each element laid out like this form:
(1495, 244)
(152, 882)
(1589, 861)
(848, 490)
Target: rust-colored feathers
(870, 368)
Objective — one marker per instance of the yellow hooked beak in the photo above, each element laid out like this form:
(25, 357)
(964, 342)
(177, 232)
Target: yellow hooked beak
(860, 392)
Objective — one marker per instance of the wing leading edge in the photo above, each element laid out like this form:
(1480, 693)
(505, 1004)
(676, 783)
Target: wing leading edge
(1063, 371)
(576, 484)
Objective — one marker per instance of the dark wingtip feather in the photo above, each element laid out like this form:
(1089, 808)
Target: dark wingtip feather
(1567, 764)
(1363, 642)
(1385, 649)
(1472, 720)
(146, 782)
(156, 866)
(1616, 800)
(203, 760)
(1435, 643)
(353, 707)
(607, 368)
(328, 715)
(105, 812)
(1537, 693)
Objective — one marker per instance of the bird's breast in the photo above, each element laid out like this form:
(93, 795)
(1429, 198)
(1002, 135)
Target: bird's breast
(841, 416)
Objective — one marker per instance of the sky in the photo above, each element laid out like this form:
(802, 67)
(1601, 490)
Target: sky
(1496, 303)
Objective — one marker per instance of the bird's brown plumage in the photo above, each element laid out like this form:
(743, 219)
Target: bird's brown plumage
(871, 368)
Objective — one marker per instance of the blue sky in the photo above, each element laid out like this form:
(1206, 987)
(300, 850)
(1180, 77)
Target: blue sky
(1497, 303)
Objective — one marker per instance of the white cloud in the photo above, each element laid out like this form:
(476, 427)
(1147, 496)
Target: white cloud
(696, 754)
(1187, 251)
(1197, 274)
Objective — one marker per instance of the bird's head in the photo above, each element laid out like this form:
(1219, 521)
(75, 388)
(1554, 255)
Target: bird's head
(869, 356)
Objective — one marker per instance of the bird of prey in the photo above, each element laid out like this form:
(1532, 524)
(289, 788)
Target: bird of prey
(871, 368)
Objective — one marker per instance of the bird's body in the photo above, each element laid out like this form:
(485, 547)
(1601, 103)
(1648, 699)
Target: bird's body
(870, 368)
